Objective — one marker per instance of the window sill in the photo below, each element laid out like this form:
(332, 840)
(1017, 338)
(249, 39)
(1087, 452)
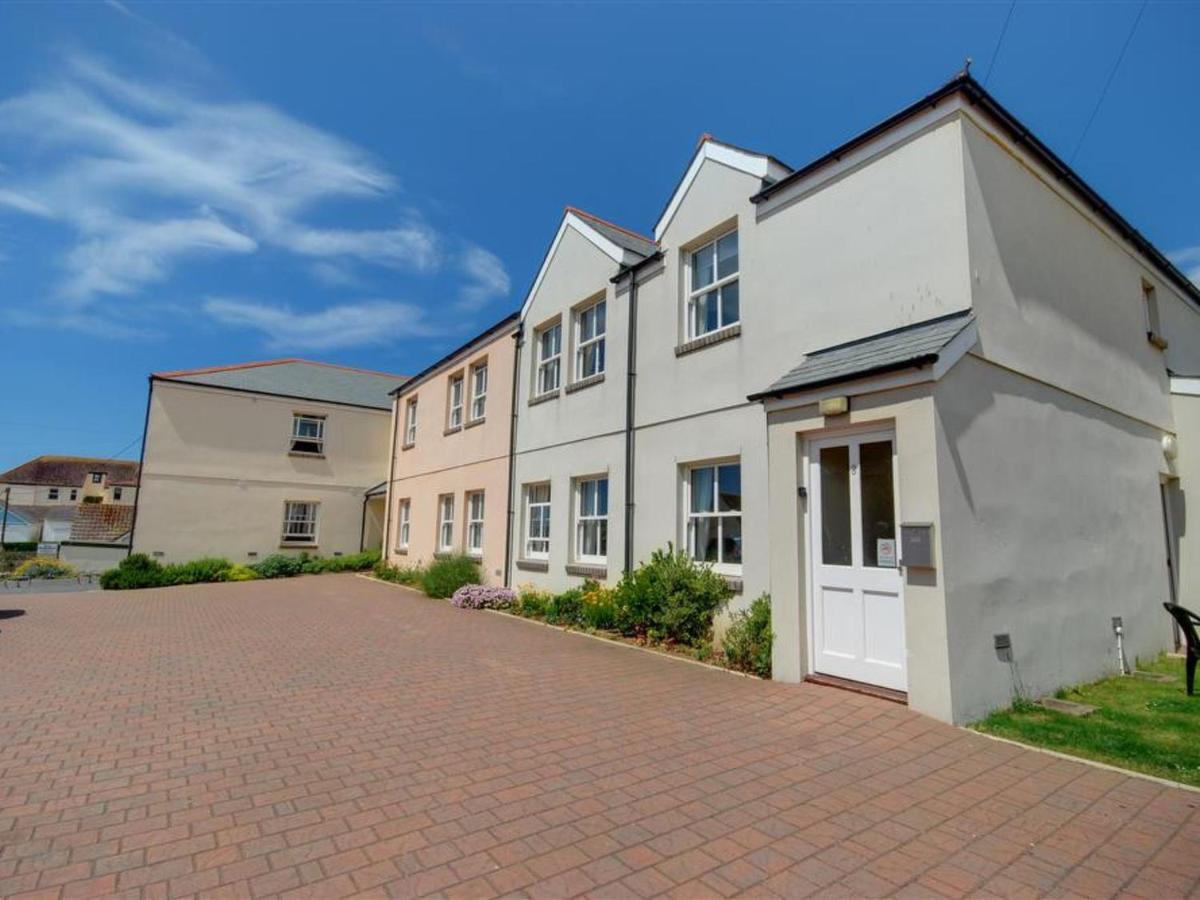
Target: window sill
(599, 571)
(306, 454)
(584, 383)
(707, 340)
(533, 565)
(401, 551)
(475, 422)
(444, 554)
(297, 545)
(408, 446)
(542, 398)
(453, 429)
(734, 582)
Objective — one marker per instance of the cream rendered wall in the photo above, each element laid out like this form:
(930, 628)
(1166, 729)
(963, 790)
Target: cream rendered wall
(909, 412)
(216, 473)
(1184, 495)
(1051, 524)
(577, 433)
(471, 459)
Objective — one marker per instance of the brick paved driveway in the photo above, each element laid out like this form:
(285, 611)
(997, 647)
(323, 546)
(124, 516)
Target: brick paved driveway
(332, 735)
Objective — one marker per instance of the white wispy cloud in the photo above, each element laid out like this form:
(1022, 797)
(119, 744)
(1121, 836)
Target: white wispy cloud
(146, 175)
(486, 278)
(334, 327)
(1188, 259)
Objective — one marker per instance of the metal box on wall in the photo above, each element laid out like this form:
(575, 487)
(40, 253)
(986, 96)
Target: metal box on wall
(916, 545)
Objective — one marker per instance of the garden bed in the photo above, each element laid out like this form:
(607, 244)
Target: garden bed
(1141, 724)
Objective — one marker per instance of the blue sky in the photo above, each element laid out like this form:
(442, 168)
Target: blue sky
(189, 184)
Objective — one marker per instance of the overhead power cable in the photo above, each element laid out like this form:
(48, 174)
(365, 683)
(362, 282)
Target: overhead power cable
(999, 42)
(1108, 82)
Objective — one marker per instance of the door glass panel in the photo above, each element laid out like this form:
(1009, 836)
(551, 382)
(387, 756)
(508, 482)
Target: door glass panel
(835, 506)
(878, 505)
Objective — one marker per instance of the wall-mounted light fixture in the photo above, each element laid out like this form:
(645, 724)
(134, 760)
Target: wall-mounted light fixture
(834, 406)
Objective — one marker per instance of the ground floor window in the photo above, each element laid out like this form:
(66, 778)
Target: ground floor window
(714, 513)
(537, 521)
(446, 523)
(591, 520)
(475, 523)
(300, 522)
(404, 517)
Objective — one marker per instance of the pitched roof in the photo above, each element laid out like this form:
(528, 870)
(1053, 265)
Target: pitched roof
(622, 237)
(901, 348)
(302, 379)
(70, 471)
(101, 522)
(507, 325)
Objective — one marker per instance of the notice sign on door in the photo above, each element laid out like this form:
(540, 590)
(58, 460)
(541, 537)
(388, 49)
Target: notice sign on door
(885, 553)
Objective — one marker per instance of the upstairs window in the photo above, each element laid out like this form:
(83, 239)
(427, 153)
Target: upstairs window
(590, 328)
(446, 523)
(299, 522)
(475, 523)
(1150, 313)
(537, 521)
(52, 493)
(74, 493)
(308, 434)
(454, 417)
(714, 525)
(713, 293)
(591, 520)
(116, 493)
(410, 422)
(549, 359)
(479, 386)
(97, 478)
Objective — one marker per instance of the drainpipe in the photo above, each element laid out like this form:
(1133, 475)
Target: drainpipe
(630, 400)
(4, 524)
(137, 500)
(512, 456)
(391, 474)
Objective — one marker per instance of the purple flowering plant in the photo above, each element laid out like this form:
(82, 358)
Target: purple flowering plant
(479, 596)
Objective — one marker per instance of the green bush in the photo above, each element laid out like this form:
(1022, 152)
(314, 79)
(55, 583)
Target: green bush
(410, 575)
(44, 567)
(599, 607)
(278, 565)
(747, 641)
(20, 546)
(198, 571)
(447, 575)
(670, 598)
(239, 572)
(135, 571)
(531, 603)
(355, 562)
(565, 608)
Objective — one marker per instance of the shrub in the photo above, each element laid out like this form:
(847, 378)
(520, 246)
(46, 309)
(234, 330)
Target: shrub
(44, 567)
(198, 571)
(447, 575)
(134, 571)
(531, 603)
(278, 565)
(478, 596)
(410, 575)
(599, 606)
(670, 598)
(239, 572)
(566, 608)
(20, 546)
(355, 562)
(747, 641)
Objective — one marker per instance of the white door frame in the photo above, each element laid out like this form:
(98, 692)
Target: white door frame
(812, 556)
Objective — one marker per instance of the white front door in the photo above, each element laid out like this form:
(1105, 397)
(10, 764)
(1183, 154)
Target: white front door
(857, 603)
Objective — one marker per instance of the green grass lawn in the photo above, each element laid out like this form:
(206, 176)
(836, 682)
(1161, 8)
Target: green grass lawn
(1147, 726)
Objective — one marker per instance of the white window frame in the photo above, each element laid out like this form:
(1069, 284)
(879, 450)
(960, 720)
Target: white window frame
(479, 388)
(542, 551)
(445, 535)
(547, 364)
(52, 493)
(403, 523)
(310, 516)
(298, 419)
(717, 284)
(455, 389)
(689, 532)
(117, 493)
(74, 495)
(475, 522)
(97, 478)
(582, 521)
(597, 339)
(410, 422)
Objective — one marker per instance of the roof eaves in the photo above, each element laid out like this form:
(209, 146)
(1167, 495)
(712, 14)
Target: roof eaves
(509, 322)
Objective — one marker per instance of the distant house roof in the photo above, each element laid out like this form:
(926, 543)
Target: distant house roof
(302, 379)
(33, 515)
(71, 471)
(901, 348)
(102, 522)
(20, 515)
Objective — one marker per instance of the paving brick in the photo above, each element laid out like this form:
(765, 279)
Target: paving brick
(328, 736)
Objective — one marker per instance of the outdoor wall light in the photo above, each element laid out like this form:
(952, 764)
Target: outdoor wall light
(1170, 446)
(834, 406)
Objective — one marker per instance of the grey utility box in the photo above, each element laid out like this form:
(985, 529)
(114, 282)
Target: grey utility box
(916, 545)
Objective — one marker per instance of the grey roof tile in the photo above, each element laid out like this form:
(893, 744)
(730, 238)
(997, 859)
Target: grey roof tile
(299, 378)
(899, 348)
(622, 237)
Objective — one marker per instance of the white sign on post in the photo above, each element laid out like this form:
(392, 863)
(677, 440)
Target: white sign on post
(47, 548)
(885, 553)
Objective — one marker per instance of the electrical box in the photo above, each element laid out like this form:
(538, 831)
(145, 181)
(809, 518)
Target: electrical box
(916, 545)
